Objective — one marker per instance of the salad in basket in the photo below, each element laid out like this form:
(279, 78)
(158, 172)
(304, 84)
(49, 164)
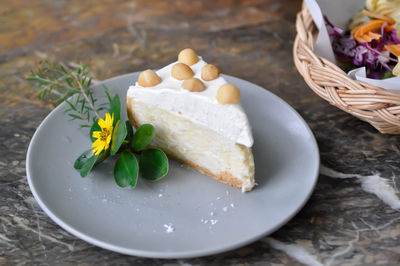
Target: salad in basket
(372, 39)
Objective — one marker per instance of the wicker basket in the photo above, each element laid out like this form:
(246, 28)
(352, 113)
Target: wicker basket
(374, 105)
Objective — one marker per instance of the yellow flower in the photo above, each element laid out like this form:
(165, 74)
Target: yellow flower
(103, 137)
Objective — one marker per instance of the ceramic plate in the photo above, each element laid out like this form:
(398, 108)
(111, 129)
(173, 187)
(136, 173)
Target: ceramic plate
(186, 214)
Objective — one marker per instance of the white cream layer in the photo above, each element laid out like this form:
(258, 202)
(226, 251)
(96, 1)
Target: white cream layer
(229, 120)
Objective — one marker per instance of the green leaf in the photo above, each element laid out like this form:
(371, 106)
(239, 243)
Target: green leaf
(107, 91)
(95, 127)
(63, 68)
(71, 105)
(143, 136)
(81, 160)
(129, 130)
(153, 164)
(126, 170)
(69, 81)
(88, 165)
(387, 74)
(102, 156)
(86, 155)
(115, 108)
(118, 137)
(74, 116)
(89, 82)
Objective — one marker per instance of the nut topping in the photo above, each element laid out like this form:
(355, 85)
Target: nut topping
(228, 94)
(209, 72)
(181, 71)
(194, 85)
(148, 78)
(188, 56)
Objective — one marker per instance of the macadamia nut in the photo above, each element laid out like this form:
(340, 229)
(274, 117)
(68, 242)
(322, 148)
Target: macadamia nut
(181, 71)
(194, 85)
(228, 94)
(209, 72)
(188, 56)
(148, 78)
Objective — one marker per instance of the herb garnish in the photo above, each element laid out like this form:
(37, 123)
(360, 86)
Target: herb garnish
(111, 135)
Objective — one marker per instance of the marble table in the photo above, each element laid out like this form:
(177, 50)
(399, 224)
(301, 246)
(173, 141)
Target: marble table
(352, 217)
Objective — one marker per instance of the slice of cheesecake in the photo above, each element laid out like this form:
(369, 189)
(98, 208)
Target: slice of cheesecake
(197, 117)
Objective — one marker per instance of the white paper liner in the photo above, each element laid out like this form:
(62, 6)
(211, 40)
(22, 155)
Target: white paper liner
(339, 12)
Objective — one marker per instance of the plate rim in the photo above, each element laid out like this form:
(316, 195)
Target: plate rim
(169, 254)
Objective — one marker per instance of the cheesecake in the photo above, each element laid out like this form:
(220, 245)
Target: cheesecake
(198, 118)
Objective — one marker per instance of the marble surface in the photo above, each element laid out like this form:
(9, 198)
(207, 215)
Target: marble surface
(351, 219)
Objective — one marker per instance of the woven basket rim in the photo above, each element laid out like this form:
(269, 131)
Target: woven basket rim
(379, 107)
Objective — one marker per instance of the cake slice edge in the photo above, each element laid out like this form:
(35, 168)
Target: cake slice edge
(238, 171)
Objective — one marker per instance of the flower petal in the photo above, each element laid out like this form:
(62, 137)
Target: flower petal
(97, 143)
(108, 120)
(108, 140)
(96, 151)
(96, 134)
(102, 123)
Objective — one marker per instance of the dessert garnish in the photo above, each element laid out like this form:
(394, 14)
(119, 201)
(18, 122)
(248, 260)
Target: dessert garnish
(210, 72)
(188, 56)
(110, 136)
(181, 71)
(148, 78)
(228, 94)
(193, 84)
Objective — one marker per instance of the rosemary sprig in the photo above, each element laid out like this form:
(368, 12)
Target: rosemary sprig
(60, 83)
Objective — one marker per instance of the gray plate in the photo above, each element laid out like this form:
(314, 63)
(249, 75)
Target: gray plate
(208, 217)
